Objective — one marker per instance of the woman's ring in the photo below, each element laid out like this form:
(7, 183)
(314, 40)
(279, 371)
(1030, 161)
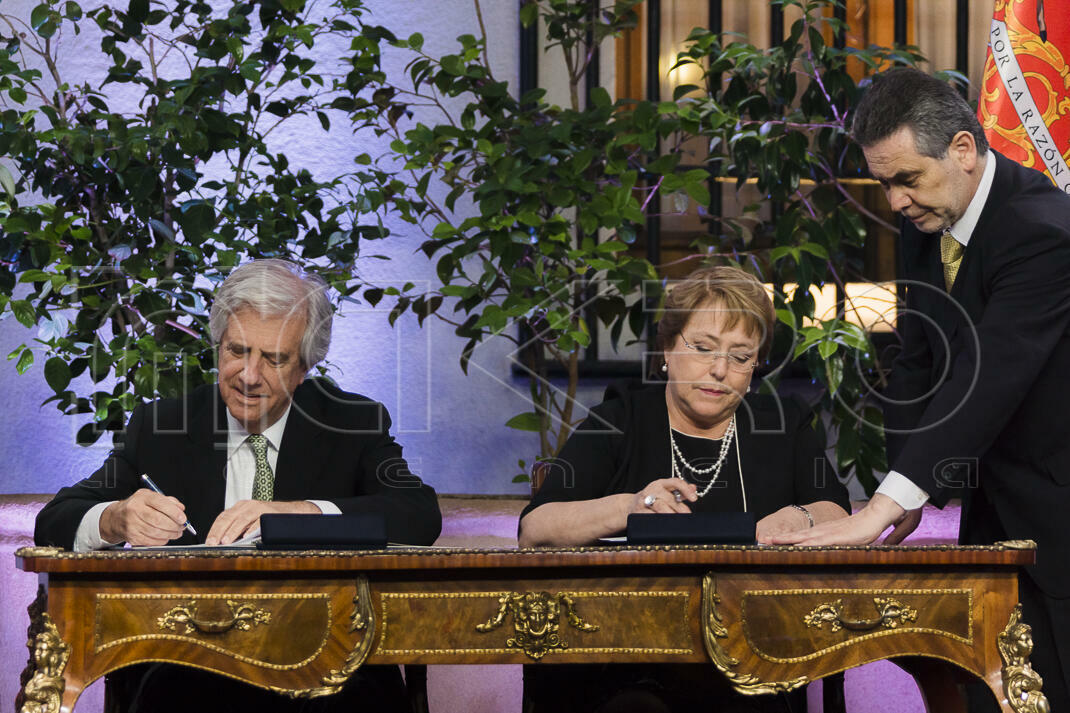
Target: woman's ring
(649, 500)
(678, 496)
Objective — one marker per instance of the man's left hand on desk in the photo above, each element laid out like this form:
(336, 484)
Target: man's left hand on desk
(862, 528)
(244, 517)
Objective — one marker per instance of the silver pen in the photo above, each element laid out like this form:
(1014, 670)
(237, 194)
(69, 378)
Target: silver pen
(156, 488)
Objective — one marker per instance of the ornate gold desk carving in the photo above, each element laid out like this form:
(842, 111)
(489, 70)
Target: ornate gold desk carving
(362, 619)
(536, 621)
(242, 626)
(243, 617)
(741, 608)
(454, 623)
(713, 629)
(42, 680)
(1020, 682)
(890, 614)
(799, 624)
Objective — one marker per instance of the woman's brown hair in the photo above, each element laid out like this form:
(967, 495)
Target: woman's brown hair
(736, 293)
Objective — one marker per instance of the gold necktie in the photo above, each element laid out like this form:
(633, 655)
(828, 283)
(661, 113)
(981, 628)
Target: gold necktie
(951, 256)
(264, 481)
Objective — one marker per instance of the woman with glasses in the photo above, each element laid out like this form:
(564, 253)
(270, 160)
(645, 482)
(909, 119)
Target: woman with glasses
(697, 442)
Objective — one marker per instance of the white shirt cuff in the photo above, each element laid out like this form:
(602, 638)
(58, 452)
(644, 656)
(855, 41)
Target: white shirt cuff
(327, 507)
(87, 537)
(903, 491)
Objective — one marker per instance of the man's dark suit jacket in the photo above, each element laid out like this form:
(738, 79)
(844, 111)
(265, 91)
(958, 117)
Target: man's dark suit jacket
(336, 446)
(983, 382)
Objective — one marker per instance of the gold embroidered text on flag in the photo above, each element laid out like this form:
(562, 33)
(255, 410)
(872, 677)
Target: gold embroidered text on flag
(1025, 94)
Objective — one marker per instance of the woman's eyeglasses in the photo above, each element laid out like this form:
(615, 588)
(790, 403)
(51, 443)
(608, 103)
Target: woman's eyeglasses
(737, 361)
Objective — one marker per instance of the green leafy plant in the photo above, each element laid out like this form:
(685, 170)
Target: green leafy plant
(778, 117)
(131, 199)
(561, 193)
(128, 201)
(558, 199)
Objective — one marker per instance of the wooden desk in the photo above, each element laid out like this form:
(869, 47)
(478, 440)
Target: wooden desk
(768, 619)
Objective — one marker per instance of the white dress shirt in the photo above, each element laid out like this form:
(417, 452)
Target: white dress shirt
(895, 485)
(240, 473)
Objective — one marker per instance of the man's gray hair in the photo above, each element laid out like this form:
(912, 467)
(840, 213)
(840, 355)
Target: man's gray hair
(929, 106)
(277, 288)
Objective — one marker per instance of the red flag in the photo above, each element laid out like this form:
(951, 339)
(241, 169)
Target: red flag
(1025, 94)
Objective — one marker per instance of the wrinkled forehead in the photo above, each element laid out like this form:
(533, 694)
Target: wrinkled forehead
(268, 332)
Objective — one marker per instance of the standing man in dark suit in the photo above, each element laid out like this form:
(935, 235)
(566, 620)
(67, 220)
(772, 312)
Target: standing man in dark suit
(262, 440)
(977, 401)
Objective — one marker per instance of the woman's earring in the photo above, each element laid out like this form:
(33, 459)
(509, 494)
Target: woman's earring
(665, 367)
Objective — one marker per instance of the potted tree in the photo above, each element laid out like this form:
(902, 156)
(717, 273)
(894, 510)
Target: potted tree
(561, 193)
(129, 199)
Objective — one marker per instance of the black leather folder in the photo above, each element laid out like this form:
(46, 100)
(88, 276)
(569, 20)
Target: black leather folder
(353, 531)
(697, 528)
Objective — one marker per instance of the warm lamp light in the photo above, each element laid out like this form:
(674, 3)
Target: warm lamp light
(679, 76)
(870, 305)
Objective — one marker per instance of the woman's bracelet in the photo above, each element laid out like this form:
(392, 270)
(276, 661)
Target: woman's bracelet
(806, 512)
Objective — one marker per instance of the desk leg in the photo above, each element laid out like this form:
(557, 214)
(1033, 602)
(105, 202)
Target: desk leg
(832, 694)
(1021, 684)
(938, 681)
(1017, 688)
(43, 688)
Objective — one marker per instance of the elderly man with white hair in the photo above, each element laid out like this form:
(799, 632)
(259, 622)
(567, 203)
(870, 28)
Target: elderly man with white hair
(264, 439)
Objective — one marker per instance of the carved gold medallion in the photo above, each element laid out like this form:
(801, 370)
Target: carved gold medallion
(536, 621)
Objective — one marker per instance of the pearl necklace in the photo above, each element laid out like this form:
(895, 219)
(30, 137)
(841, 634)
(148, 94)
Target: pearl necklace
(726, 443)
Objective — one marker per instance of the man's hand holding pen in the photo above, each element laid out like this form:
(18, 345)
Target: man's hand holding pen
(150, 518)
(146, 518)
(156, 489)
